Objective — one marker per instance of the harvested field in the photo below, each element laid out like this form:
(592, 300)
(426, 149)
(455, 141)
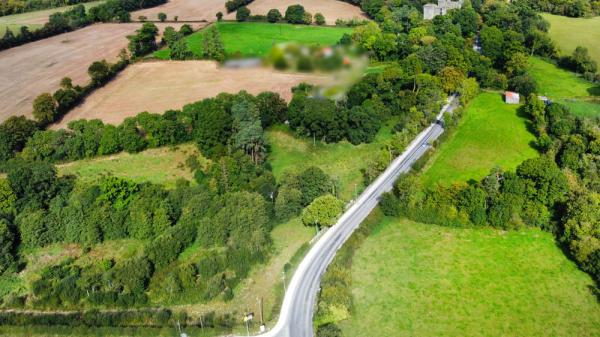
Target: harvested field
(185, 10)
(38, 67)
(331, 9)
(34, 20)
(159, 86)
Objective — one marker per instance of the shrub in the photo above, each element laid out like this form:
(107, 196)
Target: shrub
(319, 19)
(162, 16)
(219, 16)
(274, 15)
(44, 109)
(243, 13)
(294, 14)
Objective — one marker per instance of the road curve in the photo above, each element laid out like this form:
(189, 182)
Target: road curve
(295, 318)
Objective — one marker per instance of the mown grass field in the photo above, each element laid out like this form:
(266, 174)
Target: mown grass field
(568, 33)
(581, 96)
(257, 38)
(342, 161)
(490, 133)
(162, 165)
(34, 20)
(412, 279)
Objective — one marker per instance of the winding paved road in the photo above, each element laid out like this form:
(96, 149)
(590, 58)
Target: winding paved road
(295, 319)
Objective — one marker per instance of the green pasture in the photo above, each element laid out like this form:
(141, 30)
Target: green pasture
(490, 133)
(257, 38)
(568, 33)
(412, 279)
(162, 165)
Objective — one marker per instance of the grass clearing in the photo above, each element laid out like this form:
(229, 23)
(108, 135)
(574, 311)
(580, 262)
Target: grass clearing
(568, 33)
(342, 161)
(161, 165)
(258, 37)
(412, 279)
(557, 83)
(489, 134)
(581, 96)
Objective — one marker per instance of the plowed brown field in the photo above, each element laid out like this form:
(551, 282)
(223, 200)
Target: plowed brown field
(185, 10)
(38, 67)
(331, 9)
(159, 86)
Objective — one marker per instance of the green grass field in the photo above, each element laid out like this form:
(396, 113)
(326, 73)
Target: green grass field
(568, 33)
(566, 87)
(257, 38)
(489, 134)
(411, 279)
(342, 161)
(162, 165)
(15, 21)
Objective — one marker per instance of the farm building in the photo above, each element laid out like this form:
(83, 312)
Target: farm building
(511, 97)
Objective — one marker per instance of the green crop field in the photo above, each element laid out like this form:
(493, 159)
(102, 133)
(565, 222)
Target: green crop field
(34, 20)
(489, 134)
(568, 33)
(412, 279)
(566, 87)
(342, 161)
(256, 38)
(162, 165)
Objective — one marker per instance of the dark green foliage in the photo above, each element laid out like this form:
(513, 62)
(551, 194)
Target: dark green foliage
(274, 15)
(7, 245)
(179, 50)
(313, 183)
(212, 46)
(272, 108)
(44, 109)
(34, 183)
(144, 41)
(242, 14)
(295, 14)
(212, 126)
(329, 330)
(14, 133)
(233, 5)
(363, 125)
(118, 192)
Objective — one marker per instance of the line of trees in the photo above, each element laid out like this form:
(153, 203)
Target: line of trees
(571, 8)
(24, 6)
(294, 14)
(76, 17)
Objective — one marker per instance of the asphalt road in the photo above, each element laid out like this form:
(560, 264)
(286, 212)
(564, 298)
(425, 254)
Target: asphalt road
(295, 319)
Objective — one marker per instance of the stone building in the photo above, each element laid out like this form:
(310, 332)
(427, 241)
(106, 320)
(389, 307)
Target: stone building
(443, 6)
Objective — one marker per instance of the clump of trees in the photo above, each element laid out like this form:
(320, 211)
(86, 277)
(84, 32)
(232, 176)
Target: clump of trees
(572, 8)
(233, 5)
(212, 45)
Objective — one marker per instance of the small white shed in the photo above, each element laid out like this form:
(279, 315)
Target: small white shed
(511, 97)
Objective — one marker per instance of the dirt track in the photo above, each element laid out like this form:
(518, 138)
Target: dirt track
(38, 67)
(331, 9)
(159, 86)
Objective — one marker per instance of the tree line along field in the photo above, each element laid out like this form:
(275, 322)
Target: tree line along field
(38, 67)
(490, 133)
(185, 10)
(332, 10)
(36, 19)
(581, 96)
(159, 86)
(260, 37)
(467, 282)
(568, 33)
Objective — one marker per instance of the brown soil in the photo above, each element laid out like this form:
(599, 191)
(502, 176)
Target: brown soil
(331, 9)
(185, 10)
(159, 86)
(38, 67)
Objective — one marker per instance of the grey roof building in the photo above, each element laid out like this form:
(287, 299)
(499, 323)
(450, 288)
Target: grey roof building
(432, 10)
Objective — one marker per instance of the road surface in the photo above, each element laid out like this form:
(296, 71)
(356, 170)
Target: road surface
(295, 319)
